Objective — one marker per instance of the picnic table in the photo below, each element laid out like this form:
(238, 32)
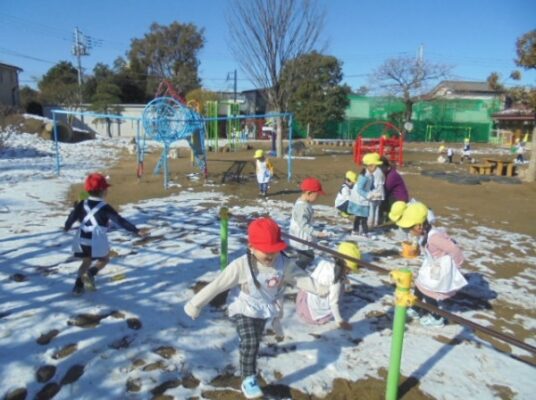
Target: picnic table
(502, 167)
(481, 169)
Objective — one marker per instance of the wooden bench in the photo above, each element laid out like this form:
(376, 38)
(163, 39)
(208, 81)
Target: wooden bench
(503, 168)
(481, 169)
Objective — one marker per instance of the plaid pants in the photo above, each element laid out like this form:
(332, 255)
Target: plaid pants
(250, 332)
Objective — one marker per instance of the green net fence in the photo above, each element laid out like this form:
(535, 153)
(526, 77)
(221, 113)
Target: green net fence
(450, 120)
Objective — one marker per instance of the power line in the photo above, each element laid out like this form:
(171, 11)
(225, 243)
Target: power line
(22, 55)
(42, 29)
(37, 27)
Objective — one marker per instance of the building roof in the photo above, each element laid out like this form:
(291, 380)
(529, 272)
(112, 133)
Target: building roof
(518, 112)
(10, 66)
(453, 88)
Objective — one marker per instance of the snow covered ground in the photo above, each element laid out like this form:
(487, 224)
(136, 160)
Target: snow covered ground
(131, 338)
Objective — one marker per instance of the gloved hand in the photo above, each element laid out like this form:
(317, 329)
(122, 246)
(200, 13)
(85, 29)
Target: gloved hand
(191, 310)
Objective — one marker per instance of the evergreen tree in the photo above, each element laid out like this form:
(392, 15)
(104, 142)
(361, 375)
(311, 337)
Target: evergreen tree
(312, 84)
(106, 101)
(60, 85)
(168, 52)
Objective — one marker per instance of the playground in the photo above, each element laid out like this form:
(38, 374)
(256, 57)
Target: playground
(423, 175)
(131, 339)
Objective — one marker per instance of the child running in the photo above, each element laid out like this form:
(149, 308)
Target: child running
(343, 197)
(317, 310)
(301, 222)
(439, 277)
(258, 280)
(264, 171)
(91, 240)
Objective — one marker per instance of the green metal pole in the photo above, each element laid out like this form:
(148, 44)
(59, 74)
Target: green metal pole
(224, 234)
(403, 299)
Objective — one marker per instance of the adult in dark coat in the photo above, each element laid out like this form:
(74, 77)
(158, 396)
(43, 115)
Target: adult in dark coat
(395, 187)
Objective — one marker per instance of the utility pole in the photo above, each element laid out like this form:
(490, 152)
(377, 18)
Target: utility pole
(420, 55)
(235, 86)
(80, 48)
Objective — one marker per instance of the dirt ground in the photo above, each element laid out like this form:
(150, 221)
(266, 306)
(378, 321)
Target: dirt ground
(502, 203)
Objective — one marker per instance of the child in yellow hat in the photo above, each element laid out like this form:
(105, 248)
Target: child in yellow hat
(439, 277)
(377, 194)
(264, 171)
(343, 197)
(317, 310)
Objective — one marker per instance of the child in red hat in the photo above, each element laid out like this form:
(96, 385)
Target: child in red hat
(301, 222)
(257, 280)
(91, 240)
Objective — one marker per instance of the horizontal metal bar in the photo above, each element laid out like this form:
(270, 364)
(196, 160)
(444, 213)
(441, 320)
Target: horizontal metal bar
(451, 317)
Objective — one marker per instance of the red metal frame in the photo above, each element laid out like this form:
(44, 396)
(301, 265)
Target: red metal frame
(166, 88)
(392, 148)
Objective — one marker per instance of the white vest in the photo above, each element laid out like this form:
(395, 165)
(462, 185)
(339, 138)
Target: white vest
(324, 274)
(439, 274)
(263, 172)
(99, 239)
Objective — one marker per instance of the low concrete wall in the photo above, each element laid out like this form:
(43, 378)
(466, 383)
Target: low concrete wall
(122, 128)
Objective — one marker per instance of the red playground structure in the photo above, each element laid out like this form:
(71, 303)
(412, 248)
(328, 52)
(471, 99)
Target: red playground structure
(391, 147)
(166, 88)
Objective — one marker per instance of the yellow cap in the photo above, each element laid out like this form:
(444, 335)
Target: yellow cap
(414, 214)
(350, 249)
(397, 209)
(351, 176)
(259, 154)
(372, 159)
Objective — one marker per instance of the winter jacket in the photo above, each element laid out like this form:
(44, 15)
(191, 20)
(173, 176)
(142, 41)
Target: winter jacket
(395, 187)
(301, 224)
(264, 302)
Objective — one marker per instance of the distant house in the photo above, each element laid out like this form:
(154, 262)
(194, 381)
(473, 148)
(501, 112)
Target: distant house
(516, 122)
(9, 85)
(251, 101)
(256, 101)
(462, 90)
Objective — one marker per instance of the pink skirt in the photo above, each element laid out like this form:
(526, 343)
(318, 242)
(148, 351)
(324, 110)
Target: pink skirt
(302, 309)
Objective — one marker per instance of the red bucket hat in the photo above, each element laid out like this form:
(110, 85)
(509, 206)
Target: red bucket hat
(96, 182)
(311, 185)
(265, 235)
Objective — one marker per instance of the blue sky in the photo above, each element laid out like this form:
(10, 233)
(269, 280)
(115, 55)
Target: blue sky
(475, 36)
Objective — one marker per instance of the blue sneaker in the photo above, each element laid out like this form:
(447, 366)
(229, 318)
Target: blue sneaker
(411, 313)
(251, 388)
(429, 320)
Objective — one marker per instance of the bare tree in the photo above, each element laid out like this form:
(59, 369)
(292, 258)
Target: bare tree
(526, 58)
(408, 77)
(265, 34)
